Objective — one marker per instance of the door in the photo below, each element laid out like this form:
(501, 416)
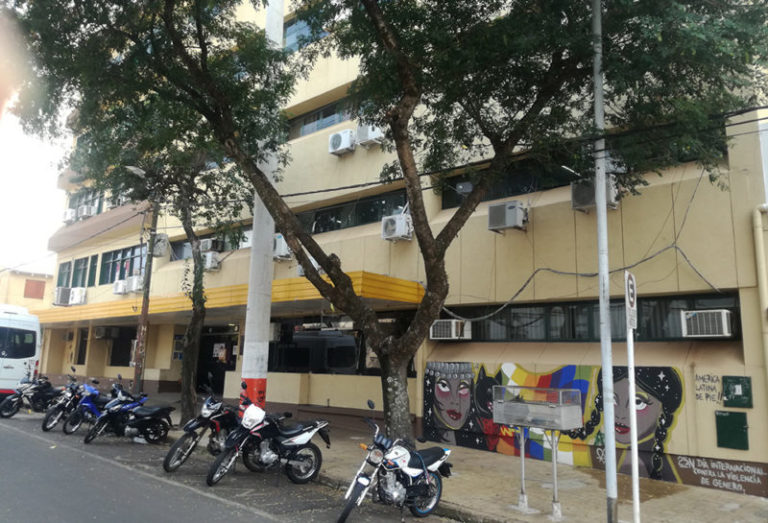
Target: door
(17, 355)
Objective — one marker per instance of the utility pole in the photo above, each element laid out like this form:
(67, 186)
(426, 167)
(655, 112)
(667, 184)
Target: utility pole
(602, 268)
(257, 314)
(140, 354)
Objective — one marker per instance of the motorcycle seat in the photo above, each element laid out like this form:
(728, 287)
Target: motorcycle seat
(429, 456)
(142, 412)
(291, 429)
(101, 400)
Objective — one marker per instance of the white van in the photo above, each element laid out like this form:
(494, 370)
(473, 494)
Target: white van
(19, 346)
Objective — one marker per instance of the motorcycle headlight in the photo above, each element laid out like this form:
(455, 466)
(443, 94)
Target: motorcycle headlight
(375, 456)
(68, 394)
(115, 408)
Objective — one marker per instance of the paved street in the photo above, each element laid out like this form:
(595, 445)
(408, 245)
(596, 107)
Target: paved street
(54, 477)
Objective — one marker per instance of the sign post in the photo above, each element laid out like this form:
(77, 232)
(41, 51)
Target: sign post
(630, 303)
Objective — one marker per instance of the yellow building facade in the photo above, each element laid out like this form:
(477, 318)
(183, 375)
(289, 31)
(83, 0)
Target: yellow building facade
(23, 288)
(696, 249)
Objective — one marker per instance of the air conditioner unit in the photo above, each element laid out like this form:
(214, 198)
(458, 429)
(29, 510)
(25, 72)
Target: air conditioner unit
(280, 250)
(135, 283)
(714, 323)
(450, 330)
(161, 245)
(507, 215)
(274, 332)
(99, 332)
(583, 194)
(61, 296)
(77, 296)
(316, 265)
(86, 211)
(211, 261)
(210, 244)
(70, 215)
(120, 287)
(342, 142)
(368, 135)
(397, 227)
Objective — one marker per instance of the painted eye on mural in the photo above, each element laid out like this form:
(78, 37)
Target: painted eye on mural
(442, 386)
(463, 388)
(640, 403)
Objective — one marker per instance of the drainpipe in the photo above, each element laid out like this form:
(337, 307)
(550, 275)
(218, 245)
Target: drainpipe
(762, 276)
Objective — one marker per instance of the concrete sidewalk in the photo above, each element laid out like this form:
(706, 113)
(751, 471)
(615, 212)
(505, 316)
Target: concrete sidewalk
(485, 487)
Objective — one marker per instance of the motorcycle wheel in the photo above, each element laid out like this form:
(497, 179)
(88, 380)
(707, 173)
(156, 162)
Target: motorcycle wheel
(423, 506)
(252, 458)
(95, 430)
(180, 451)
(311, 459)
(10, 406)
(352, 502)
(52, 417)
(156, 431)
(73, 422)
(216, 441)
(223, 463)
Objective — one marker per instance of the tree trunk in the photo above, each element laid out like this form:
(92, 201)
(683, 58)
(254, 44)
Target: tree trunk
(394, 387)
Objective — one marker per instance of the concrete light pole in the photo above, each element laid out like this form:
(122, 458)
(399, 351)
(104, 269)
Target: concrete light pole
(256, 338)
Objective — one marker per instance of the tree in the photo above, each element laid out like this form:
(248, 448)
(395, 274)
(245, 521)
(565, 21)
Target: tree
(492, 79)
(182, 173)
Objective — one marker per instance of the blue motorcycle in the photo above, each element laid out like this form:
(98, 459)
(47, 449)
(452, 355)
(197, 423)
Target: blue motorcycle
(126, 416)
(89, 407)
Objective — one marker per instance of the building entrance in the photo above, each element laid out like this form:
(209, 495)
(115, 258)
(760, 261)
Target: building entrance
(218, 354)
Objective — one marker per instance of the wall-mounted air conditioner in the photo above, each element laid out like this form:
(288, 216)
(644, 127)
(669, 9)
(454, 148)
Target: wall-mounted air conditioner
(135, 283)
(99, 332)
(70, 215)
(300, 269)
(86, 211)
(450, 330)
(342, 142)
(280, 250)
(583, 194)
(161, 245)
(120, 287)
(397, 227)
(368, 135)
(77, 296)
(507, 215)
(210, 244)
(714, 323)
(61, 296)
(211, 261)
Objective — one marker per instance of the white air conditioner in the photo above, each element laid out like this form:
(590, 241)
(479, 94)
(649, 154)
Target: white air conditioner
(507, 215)
(342, 142)
(61, 296)
(714, 323)
(135, 283)
(210, 244)
(77, 296)
(161, 245)
(368, 135)
(280, 250)
(583, 194)
(274, 332)
(450, 330)
(70, 215)
(397, 227)
(120, 287)
(86, 211)
(99, 332)
(211, 261)
(316, 265)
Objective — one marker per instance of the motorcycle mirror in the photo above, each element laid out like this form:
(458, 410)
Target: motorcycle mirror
(243, 385)
(95, 382)
(73, 368)
(120, 377)
(287, 414)
(371, 404)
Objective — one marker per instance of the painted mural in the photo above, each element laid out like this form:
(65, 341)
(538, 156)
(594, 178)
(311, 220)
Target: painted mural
(458, 409)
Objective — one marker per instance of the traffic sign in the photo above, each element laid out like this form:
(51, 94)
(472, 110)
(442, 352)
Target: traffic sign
(630, 299)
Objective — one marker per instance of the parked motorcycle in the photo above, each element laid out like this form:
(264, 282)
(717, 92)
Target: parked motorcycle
(89, 407)
(265, 442)
(221, 419)
(126, 416)
(35, 394)
(63, 405)
(402, 475)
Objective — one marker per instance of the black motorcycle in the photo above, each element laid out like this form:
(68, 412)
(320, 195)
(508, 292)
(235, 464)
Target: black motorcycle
(63, 405)
(220, 418)
(126, 416)
(36, 394)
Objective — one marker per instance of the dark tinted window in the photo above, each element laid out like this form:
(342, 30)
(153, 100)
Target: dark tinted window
(351, 214)
(17, 343)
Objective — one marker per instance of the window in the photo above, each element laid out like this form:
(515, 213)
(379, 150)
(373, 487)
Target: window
(65, 274)
(122, 347)
(327, 116)
(351, 214)
(80, 273)
(93, 266)
(297, 34)
(119, 264)
(17, 343)
(82, 346)
(86, 197)
(34, 289)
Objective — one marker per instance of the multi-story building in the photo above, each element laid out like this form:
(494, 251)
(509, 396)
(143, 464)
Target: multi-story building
(522, 274)
(24, 288)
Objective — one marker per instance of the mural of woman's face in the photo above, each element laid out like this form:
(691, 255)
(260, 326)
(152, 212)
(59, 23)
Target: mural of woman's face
(648, 409)
(452, 401)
